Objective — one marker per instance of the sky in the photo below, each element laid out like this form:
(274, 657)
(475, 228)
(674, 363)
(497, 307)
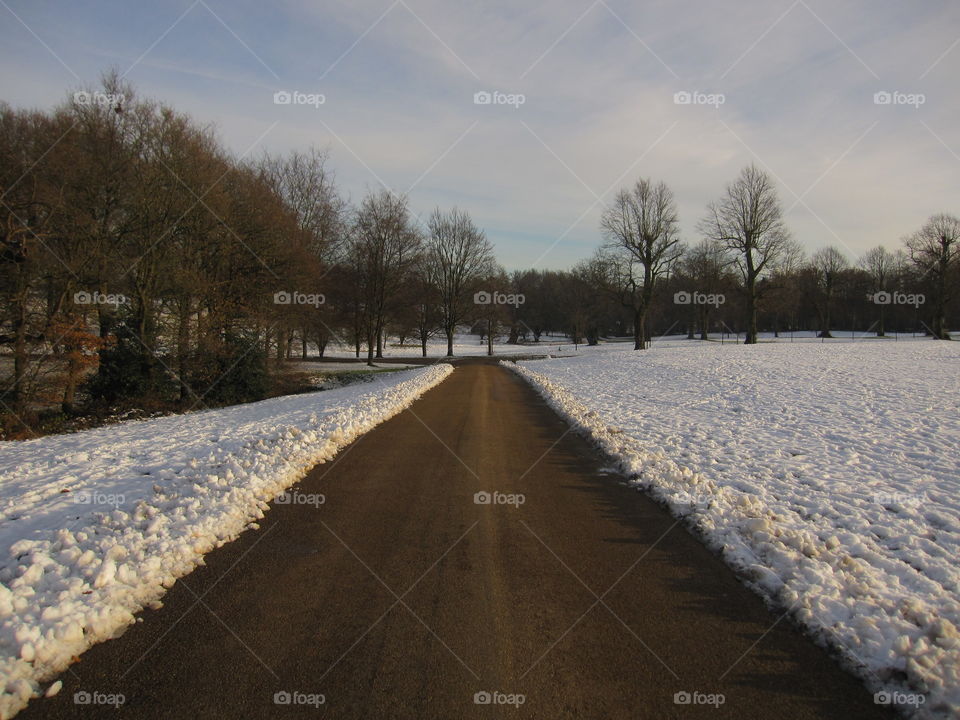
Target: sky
(852, 107)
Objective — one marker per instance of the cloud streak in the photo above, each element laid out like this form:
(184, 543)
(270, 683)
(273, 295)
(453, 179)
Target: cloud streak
(798, 82)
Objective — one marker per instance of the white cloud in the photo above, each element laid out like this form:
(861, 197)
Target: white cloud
(798, 97)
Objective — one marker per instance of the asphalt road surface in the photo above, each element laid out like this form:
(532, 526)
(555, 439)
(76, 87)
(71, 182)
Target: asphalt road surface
(400, 596)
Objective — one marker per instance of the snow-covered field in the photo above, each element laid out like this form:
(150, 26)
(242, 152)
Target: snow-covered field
(97, 524)
(464, 345)
(467, 345)
(827, 474)
(333, 375)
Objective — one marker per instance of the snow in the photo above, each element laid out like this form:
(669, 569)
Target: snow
(464, 345)
(332, 375)
(359, 366)
(827, 475)
(96, 525)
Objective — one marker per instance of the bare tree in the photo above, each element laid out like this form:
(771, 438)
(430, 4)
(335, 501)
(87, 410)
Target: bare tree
(827, 264)
(492, 317)
(26, 214)
(933, 249)
(460, 256)
(748, 220)
(640, 229)
(706, 267)
(307, 186)
(425, 313)
(386, 247)
(878, 264)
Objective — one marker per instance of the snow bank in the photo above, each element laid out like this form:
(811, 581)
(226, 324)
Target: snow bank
(98, 524)
(826, 475)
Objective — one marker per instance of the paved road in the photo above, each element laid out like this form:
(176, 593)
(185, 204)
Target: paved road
(400, 597)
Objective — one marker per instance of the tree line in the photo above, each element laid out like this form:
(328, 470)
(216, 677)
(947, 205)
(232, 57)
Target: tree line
(142, 262)
(748, 273)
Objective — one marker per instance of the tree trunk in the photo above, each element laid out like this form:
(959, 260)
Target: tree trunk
(73, 376)
(827, 304)
(183, 348)
(751, 335)
(939, 308)
(266, 342)
(639, 339)
(18, 392)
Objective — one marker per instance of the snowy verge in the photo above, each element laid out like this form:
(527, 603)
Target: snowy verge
(98, 524)
(852, 530)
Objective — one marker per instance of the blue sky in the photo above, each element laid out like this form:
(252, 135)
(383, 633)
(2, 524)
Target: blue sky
(798, 80)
